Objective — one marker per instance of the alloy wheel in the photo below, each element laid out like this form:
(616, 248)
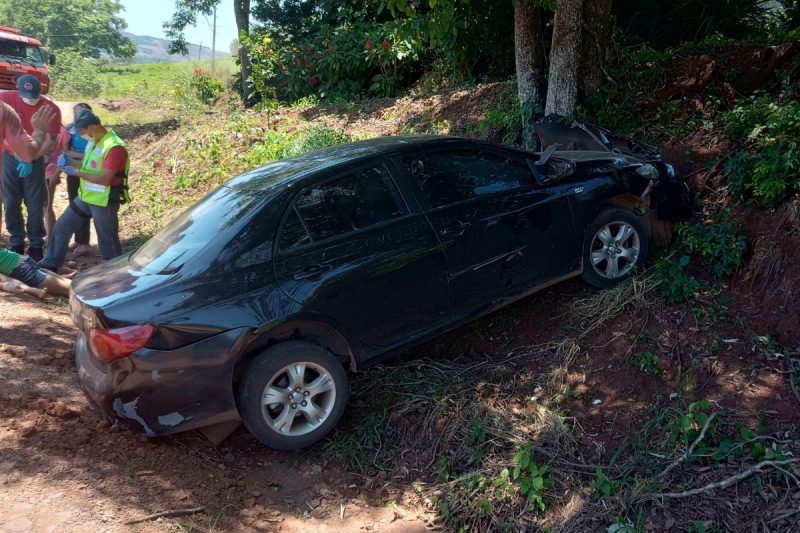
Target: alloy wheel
(615, 249)
(298, 398)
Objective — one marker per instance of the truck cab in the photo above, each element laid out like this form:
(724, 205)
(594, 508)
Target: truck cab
(20, 55)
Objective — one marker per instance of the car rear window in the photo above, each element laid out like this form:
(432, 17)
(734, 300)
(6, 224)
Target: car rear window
(186, 236)
(357, 201)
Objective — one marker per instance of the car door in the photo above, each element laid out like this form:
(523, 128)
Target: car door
(495, 225)
(352, 248)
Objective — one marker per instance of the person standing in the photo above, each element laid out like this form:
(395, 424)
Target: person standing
(71, 146)
(103, 188)
(12, 134)
(24, 181)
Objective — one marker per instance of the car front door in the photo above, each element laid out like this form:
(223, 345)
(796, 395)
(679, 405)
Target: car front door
(501, 234)
(352, 248)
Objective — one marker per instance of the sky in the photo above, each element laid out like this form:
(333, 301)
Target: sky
(145, 17)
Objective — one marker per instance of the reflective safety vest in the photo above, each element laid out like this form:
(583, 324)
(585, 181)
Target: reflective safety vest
(96, 194)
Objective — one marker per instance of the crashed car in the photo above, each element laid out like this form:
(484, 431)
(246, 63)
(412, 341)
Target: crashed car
(251, 305)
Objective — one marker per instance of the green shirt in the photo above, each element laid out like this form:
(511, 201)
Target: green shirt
(8, 261)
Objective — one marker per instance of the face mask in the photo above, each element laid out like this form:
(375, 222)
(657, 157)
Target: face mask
(31, 101)
(87, 138)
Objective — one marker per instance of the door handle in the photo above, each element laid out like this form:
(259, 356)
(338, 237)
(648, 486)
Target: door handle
(311, 271)
(456, 228)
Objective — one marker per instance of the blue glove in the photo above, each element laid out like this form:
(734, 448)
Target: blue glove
(70, 171)
(24, 169)
(61, 162)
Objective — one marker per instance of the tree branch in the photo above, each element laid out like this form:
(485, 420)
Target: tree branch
(173, 512)
(725, 483)
(689, 452)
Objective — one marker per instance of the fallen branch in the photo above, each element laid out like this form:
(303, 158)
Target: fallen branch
(173, 512)
(689, 452)
(725, 483)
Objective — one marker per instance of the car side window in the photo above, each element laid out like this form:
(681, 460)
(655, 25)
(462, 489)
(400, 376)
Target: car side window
(447, 178)
(353, 202)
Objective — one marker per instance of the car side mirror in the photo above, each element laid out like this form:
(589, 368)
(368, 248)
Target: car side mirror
(51, 58)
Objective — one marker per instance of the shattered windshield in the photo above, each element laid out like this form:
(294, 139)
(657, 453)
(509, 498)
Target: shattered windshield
(17, 52)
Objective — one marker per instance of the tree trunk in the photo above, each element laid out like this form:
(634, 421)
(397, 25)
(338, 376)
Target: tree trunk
(562, 90)
(528, 51)
(594, 44)
(241, 10)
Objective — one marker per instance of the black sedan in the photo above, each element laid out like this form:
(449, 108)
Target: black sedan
(251, 305)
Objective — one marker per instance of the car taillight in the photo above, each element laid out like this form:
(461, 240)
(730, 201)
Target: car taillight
(111, 344)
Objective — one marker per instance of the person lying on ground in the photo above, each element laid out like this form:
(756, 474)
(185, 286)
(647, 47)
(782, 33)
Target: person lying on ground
(25, 269)
(13, 286)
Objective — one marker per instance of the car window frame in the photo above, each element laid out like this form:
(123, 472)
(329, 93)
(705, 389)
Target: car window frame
(422, 197)
(402, 195)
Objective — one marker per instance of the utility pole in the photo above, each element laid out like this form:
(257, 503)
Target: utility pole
(214, 42)
(199, 50)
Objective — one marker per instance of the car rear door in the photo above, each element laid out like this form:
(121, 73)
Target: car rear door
(355, 249)
(501, 234)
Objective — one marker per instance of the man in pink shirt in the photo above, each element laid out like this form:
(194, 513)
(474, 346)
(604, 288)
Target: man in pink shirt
(14, 136)
(24, 181)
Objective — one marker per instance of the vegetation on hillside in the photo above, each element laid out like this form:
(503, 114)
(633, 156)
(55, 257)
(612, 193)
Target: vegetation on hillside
(499, 427)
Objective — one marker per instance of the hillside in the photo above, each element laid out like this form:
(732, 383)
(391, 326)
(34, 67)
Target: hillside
(154, 50)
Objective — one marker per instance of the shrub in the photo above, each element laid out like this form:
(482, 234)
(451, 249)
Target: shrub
(674, 282)
(74, 77)
(206, 88)
(342, 62)
(721, 246)
(767, 170)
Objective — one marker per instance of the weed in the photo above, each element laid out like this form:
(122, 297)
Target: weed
(721, 246)
(767, 169)
(530, 477)
(504, 119)
(673, 281)
(686, 429)
(647, 362)
(602, 486)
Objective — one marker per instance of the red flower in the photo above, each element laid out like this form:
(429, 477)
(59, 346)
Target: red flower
(369, 45)
(385, 44)
(312, 81)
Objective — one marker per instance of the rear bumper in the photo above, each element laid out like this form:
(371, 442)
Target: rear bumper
(162, 392)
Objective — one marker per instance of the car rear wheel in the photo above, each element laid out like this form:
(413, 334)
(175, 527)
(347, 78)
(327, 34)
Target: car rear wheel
(615, 245)
(292, 395)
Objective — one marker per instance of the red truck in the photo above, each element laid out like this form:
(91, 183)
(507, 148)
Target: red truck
(20, 55)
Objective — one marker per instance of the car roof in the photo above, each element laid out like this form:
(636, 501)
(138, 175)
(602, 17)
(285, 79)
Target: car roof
(287, 171)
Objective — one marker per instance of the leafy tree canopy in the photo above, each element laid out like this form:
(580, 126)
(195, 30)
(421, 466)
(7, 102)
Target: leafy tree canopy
(186, 14)
(89, 27)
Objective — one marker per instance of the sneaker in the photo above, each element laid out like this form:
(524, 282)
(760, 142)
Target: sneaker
(37, 254)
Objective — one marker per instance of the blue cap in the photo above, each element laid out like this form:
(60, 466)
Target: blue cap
(85, 118)
(29, 86)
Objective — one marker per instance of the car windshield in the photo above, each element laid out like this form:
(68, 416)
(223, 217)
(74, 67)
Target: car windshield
(21, 52)
(182, 239)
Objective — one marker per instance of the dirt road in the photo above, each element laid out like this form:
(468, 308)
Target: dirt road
(62, 468)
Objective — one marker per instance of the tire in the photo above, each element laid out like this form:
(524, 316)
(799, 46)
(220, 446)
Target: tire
(609, 256)
(288, 424)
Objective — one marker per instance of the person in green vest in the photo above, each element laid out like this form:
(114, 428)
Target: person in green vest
(103, 188)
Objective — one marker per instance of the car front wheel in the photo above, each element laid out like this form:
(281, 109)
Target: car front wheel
(292, 395)
(615, 245)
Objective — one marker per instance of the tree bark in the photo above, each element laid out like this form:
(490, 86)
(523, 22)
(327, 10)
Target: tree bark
(241, 10)
(529, 54)
(594, 44)
(562, 90)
